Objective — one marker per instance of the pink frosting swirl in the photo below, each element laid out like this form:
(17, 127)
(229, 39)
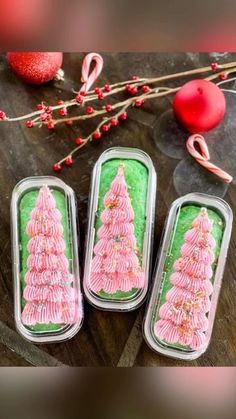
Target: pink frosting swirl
(49, 292)
(47, 311)
(115, 265)
(45, 244)
(55, 277)
(183, 317)
(109, 231)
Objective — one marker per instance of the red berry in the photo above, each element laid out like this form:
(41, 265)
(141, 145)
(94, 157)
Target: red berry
(40, 107)
(105, 127)
(79, 99)
(43, 117)
(101, 96)
(107, 88)
(60, 102)
(69, 122)
(89, 110)
(109, 108)
(48, 109)
(135, 77)
(79, 140)
(97, 90)
(69, 161)
(123, 116)
(50, 125)
(214, 66)
(29, 124)
(146, 89)
(83, 93)
(62, 111)
(56, 167)
(114, 122)
(128, 87)
(133, 91)
(2, 115)
(223, 76)
(97, 135)
(138, 102)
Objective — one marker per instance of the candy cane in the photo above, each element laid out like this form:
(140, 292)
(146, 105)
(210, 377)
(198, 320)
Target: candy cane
(204, 156)
(86, 78)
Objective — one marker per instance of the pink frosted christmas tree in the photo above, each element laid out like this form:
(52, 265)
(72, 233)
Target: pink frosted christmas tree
(183, 317)
(115, 266)
(48, 292)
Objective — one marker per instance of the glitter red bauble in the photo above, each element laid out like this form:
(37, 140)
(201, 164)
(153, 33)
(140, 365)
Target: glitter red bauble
(199, 105)
(35, 67)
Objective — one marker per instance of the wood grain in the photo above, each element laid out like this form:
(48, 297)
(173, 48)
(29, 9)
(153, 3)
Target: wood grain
(106, 339)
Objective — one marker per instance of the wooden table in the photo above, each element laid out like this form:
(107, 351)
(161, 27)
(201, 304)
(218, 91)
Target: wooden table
(106, 339)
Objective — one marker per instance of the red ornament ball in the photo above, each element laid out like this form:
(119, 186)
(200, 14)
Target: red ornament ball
(35, 67)
(199, 105)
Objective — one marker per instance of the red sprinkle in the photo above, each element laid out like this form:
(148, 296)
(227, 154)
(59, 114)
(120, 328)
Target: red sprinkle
(79, 140)
(56, 167)
(100, 96)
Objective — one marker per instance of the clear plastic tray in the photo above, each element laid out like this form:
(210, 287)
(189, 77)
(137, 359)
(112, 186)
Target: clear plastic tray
(48, 303)
(120, 227)
(188, 275)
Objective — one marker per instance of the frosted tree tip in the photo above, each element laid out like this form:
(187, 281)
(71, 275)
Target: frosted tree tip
(121, 169)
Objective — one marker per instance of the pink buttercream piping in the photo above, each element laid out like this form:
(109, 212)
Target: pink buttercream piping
(48, 293)
(183, 317)
(115, 265)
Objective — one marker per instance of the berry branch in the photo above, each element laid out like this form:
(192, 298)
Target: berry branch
(139, 90)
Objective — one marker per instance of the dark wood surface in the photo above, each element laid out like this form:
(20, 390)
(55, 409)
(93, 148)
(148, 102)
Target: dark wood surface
(106, 339)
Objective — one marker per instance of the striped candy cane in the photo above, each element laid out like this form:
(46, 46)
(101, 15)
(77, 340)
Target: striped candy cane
(204, 156)
(86, 78)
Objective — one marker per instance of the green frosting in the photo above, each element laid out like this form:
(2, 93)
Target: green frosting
(27, 204)
(136, 176)
(183, 223)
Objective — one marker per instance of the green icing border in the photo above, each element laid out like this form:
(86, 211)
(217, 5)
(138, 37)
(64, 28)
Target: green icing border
(136, 176)
(182, 224)
(27, 204)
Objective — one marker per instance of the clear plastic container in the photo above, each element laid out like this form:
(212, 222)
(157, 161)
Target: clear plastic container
(188, 275)
(120, 229)
(47, 296)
